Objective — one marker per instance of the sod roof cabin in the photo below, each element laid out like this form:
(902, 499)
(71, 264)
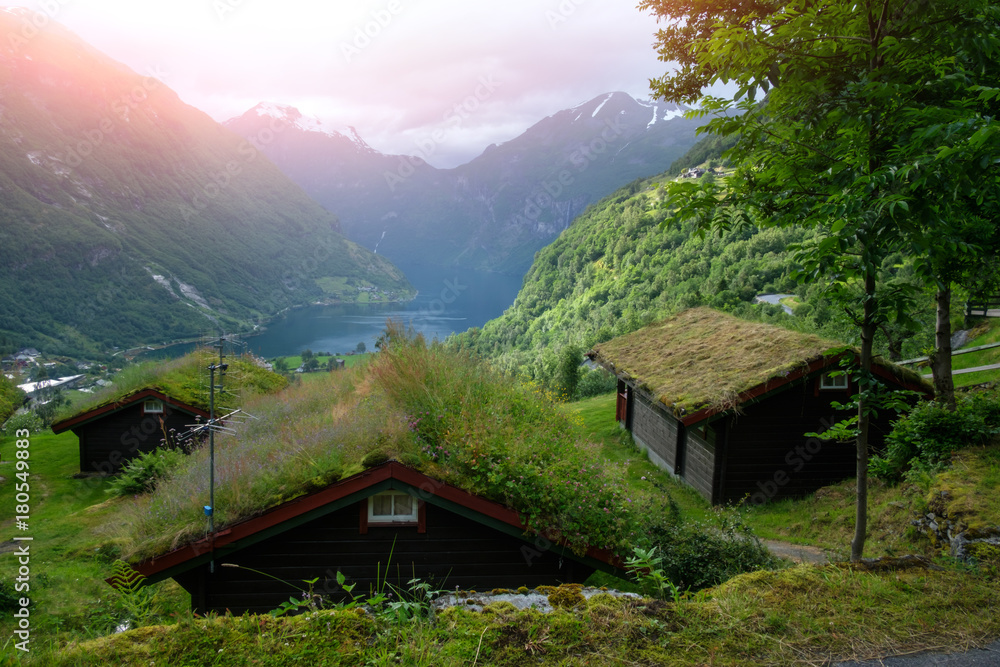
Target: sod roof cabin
(389, 521)
(154, 403)
(724, 404)
(114, 433)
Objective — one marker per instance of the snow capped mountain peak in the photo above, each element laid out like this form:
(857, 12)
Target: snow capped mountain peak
(291, 116)
(294, 117)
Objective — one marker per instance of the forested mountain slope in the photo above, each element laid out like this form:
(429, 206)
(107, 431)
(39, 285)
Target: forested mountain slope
(492, 213)
(128, 216)
(615, 269)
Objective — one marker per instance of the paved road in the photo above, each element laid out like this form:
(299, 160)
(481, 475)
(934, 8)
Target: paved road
(987, 657)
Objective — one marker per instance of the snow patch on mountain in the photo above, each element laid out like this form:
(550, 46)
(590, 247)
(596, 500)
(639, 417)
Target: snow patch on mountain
(601, 105)
(291, 116)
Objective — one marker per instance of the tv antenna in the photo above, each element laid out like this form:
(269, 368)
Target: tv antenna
(213, 425)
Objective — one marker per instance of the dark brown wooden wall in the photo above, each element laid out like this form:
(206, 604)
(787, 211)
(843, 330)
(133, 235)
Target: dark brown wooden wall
(700, 461)
(454, 551)
(767, 456)
(655, 430)
(106, 444)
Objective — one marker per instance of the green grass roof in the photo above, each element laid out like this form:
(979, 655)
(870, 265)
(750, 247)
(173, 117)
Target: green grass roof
(703, 358)
(185, 379)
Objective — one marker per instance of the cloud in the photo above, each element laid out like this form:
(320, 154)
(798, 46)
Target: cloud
(394, 69)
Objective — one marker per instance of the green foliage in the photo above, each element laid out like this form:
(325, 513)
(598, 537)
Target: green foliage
(925, 439)
(26, 420)
(10, 398)
(568, 372)
(615, 270)
(594, 382)
(143, 472)
(646, 567)
(134, 598)
(698, 554)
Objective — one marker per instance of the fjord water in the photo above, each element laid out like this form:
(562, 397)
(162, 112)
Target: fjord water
(449, 301)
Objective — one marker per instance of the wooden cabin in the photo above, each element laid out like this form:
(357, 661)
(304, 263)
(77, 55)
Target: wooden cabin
(115, 433)
(389, 520)
(725, 404)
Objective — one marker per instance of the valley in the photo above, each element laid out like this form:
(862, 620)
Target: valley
(271, 394)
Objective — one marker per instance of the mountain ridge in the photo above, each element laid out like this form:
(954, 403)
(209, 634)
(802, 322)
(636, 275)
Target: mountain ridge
(128, 216)
(495, 211)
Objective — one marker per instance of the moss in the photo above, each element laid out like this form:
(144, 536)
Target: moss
(567, 597)
(501, 608)
(705, 358)
(374, 458)
(984, 552)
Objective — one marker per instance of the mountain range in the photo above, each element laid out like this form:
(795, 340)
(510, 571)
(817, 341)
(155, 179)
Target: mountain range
(492, 213)
(129, 216)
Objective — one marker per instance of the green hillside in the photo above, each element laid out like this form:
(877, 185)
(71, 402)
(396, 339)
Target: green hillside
(127, 216)
(616, 269)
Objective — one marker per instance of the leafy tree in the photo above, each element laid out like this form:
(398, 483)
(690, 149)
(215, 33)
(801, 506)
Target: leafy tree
(307, 354)
(11, 398)
(568, 370)
(876, 129)
(47, 410)
(361, 348)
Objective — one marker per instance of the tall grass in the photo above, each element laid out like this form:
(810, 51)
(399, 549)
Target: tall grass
(446, 413)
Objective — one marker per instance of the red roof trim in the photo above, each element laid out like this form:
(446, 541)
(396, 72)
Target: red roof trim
(802, 371)
(121, 404)
(337, 491)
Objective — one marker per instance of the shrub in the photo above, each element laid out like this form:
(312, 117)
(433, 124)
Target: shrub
(22, 420)
(693, 555)
(144, 472)
(596, 382)
(925, 438)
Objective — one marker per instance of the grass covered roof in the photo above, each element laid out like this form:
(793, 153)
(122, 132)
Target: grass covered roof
(441, 412)
(702, 358)
(185, 379)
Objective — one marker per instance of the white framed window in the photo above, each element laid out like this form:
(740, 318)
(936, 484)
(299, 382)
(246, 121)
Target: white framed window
(829, 381)
(152, 407)
(392, 507)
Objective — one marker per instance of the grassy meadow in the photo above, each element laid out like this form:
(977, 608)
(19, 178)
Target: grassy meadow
(457, 420)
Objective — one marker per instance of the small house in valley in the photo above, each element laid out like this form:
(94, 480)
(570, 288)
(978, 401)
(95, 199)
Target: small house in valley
(155, 402)
(387, 521)
(114, 433)
(725, 404)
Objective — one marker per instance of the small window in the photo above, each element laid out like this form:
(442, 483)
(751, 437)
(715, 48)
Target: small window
(392, 507)
(833, 381)
(152, 407)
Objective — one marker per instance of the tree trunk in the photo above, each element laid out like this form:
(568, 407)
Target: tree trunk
(944, 384)
(868, 329)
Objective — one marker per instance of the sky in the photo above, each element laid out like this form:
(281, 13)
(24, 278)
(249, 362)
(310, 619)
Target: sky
(392, 69)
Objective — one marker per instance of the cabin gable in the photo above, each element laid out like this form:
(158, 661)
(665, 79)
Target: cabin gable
(458, 539)
(453, 551)
(112, 435)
